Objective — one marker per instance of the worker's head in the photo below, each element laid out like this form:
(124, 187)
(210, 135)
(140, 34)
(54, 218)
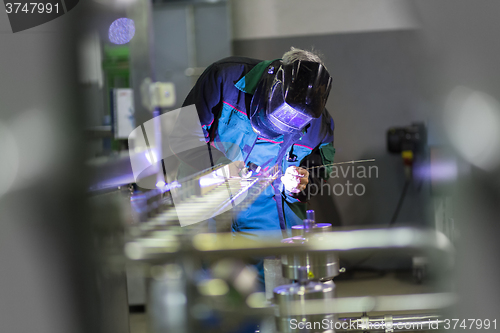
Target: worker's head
(291, 93)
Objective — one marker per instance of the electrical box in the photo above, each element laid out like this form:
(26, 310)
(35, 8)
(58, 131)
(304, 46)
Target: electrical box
(123, 112)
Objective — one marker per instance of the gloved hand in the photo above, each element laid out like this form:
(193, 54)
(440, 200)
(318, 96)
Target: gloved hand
(231, 170)
(295, 179)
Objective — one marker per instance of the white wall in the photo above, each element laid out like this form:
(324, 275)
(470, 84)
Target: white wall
(281, 18)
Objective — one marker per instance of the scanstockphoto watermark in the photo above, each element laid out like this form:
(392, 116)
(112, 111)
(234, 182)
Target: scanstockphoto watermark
(361, 325)
(347, 179)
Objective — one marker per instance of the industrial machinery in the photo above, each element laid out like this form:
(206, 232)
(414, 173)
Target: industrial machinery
(200, 282)
(318, 266)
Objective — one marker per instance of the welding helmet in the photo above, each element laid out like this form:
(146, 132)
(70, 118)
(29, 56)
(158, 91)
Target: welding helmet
(288, 97)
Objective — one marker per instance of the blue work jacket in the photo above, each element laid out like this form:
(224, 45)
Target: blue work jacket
(222, 96)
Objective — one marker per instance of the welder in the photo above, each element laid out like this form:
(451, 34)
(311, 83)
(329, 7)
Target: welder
(274, 113)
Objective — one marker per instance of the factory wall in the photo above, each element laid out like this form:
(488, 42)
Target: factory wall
(188, 36)
(465, 46)
(254, 19)
(377, 83)
(374, 54)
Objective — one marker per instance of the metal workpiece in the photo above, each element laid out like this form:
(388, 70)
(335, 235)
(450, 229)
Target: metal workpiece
(298, 230)
(390, 323)
(318, 265)
(308, 225)
(361, 304)
(411, 240)
(298, 293)
(311, 215)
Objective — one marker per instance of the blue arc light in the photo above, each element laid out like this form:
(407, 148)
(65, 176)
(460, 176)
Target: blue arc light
(121, 31)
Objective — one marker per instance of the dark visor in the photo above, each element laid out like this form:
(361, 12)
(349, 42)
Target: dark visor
(282, 114)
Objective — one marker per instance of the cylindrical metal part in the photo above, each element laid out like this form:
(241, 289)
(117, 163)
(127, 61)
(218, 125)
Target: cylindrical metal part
(310, 215)
(302, 275)
(308, 225)
(298, 230)
(319, 265)
(284, 297)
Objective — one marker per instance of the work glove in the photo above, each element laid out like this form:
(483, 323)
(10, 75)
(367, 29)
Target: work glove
(295, 179)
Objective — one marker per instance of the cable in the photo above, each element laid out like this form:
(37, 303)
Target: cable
(400, 202)
(393, 219)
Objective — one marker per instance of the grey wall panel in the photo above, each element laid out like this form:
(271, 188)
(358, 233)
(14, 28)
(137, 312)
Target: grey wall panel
(171, 48)
(377, 84)
(141, 64)
(188, 35)
(170, 30)
(463, 36)
(212, 33)
(283, 18)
